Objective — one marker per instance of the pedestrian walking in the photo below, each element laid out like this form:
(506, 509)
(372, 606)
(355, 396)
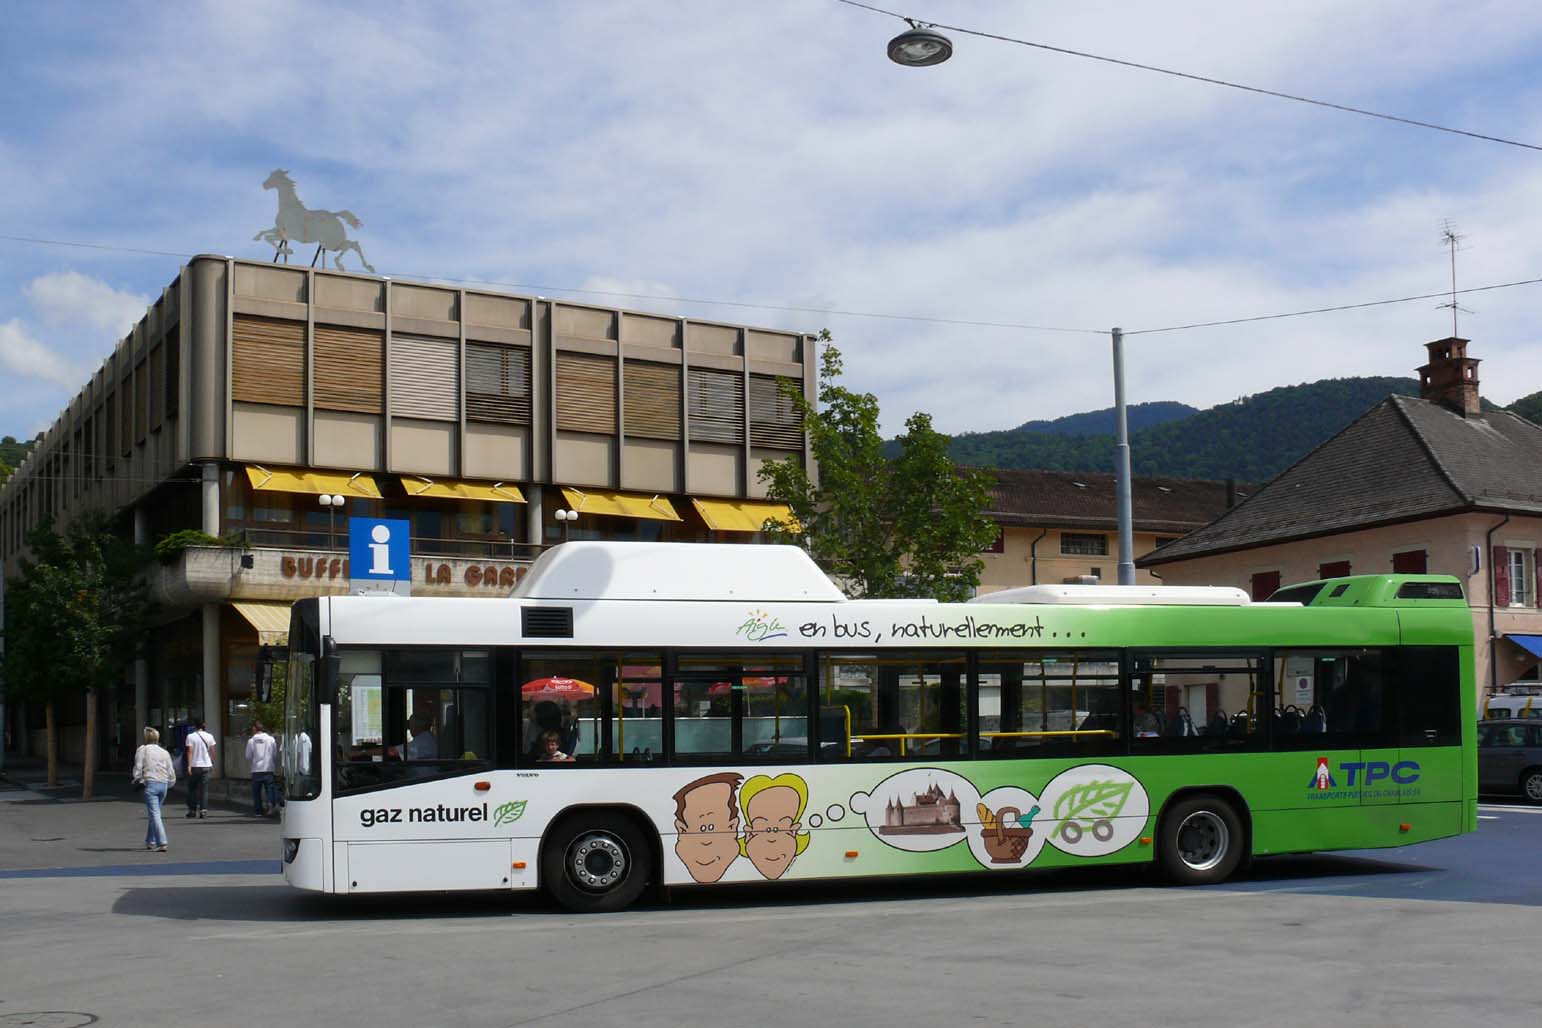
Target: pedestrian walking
(200, 762)
(261, 754)
(153, 772)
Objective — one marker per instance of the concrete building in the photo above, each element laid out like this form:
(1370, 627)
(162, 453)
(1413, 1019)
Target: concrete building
(1430, 485)
(1062, 526)
(249, 390)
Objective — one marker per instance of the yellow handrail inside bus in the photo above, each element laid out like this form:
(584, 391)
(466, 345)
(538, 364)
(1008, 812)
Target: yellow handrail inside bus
(1023, 735)
(905, 736)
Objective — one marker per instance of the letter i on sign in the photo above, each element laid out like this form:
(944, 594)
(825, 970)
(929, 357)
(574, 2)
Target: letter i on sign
(380, 550)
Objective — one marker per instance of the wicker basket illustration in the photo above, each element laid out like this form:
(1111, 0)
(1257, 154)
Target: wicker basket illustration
(1005, 842)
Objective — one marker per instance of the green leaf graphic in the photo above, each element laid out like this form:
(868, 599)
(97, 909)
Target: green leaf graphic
(507, 813)
(1093, 800)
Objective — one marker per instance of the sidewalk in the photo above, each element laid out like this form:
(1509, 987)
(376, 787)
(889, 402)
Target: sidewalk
(43, 827)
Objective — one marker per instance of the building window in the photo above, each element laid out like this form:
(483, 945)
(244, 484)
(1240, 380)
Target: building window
(998, 544)
(1523, 571)
(1264, 584)
(1410, 562)
(1089, 544)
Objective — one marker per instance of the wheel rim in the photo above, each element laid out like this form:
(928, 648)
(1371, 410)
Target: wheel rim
(1534, 787)
(1203, 840)
(598, 862)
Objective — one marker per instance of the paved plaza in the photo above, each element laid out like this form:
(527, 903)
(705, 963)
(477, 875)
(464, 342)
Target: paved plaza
(94, 926)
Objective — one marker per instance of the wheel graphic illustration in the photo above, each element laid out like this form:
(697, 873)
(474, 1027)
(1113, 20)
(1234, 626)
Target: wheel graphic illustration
(1071, 832)
(1102, 829)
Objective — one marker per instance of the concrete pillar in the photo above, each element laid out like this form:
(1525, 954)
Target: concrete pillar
(213, 703)
(141, 666)
(210, 487)
(534, 495)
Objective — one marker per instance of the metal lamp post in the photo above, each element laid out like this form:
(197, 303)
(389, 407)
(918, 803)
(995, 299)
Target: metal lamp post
(921, 47)
(566, 517)
(331, 503)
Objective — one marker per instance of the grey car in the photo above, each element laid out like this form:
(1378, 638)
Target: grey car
(1510, 757)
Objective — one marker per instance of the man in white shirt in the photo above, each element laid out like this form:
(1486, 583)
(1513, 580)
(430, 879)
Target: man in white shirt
(261, 753)
(199, 748)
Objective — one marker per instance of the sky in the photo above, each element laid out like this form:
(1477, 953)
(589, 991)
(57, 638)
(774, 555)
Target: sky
(770, 154)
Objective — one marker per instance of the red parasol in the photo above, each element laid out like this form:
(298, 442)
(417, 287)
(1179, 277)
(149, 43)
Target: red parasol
(555, 688)
(750, 685)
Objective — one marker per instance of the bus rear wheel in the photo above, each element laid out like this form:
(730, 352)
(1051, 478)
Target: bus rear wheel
(596, 862)
(1201, 841)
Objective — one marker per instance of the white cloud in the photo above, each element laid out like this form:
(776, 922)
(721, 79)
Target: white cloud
(25, 357)
(68, 298)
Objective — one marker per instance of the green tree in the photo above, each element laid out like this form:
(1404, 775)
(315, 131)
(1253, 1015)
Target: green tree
(5, 471)
(912, 526)
(75, 617)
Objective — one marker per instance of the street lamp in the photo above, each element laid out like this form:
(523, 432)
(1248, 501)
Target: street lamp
(331, 503)
(921, 47)
(567, 517)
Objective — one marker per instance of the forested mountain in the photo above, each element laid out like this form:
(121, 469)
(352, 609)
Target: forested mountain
(1101, 422)
(1253, 438)
(1528, 407)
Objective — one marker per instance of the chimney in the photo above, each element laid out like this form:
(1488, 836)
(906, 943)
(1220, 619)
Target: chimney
(1451, 377)
(1231, 492)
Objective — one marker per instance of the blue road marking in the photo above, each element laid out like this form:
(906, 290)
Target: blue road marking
(203, 867)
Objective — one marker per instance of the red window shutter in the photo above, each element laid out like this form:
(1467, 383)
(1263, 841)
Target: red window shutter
(1501, 576)
(1333, 569)
(999, 544)
(1410, 562)
(1265, 583)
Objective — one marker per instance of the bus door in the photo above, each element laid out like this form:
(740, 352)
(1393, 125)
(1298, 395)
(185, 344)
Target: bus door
(1429, 725)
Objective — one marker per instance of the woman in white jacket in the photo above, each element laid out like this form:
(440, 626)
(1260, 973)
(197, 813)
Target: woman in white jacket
(153, 770)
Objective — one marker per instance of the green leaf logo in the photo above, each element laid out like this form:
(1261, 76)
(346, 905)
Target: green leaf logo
(508, 813)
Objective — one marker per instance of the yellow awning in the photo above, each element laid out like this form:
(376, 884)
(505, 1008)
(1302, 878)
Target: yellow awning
(270, 619)
(313, 482)
(743, 515)
(621, 505)
(497, 492)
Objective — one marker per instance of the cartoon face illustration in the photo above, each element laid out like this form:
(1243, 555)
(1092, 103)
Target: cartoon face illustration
(773, 822)
(707, 819)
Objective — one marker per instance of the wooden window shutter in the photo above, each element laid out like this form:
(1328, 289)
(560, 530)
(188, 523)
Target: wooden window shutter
(775, 420)
(1501, 576)
(716, 406)
(425, 378)
(498, 383)
(586, 393)
(652, 402)
(349, 369)
(1265, 584)
(269, 361)
(1410, 562)
(153, 387)
(1333, 569)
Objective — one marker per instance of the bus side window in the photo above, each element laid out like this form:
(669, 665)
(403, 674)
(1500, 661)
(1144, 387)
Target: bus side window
(1198, 702)
(1427, 695)
(1326, 699)
(1046, 704)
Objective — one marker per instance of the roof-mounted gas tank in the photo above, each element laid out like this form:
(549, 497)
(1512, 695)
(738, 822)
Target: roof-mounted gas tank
(677, 571)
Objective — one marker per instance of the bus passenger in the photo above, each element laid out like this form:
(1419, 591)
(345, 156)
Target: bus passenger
(551, 749)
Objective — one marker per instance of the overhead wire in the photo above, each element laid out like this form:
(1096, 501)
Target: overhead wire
(1209, 80)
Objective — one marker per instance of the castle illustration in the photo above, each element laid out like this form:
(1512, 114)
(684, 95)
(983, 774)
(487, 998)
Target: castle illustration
(930, 813)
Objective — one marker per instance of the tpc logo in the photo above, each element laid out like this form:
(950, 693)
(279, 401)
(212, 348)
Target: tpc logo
(1323, 779)
(378, 550)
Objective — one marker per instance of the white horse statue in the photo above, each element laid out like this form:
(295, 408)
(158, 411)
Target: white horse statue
(295, 223)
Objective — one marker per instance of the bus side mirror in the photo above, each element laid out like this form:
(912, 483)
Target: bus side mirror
(331, 669)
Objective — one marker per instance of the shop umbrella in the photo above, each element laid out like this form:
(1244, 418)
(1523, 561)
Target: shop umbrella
(750, 685)
(556, 688)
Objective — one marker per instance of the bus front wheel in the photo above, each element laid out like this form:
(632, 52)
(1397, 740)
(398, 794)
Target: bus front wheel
(596, 862)
(1201, 841)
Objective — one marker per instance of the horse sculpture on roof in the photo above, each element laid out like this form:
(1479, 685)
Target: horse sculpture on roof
(295, 223)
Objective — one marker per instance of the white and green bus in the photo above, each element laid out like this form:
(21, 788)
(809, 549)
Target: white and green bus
(645, 715)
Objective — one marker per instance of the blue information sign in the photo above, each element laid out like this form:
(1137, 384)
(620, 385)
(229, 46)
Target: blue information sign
(379, 550)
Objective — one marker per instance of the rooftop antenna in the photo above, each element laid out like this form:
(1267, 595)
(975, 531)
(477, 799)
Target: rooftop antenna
(1452, 240)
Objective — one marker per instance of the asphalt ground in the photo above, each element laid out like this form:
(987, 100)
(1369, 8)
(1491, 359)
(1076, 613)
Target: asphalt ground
(93, 926)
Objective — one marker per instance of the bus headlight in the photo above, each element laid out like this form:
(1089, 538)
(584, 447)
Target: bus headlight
(291, 850)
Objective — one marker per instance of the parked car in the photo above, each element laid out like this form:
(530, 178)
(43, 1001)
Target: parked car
(1519, 700)
(1510, 757)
